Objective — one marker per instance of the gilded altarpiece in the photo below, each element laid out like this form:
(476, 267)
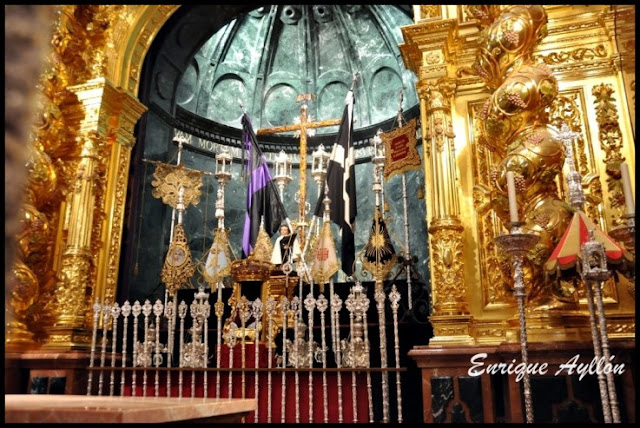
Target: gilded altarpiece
(570, 108)
(580, 48)
(583, 57)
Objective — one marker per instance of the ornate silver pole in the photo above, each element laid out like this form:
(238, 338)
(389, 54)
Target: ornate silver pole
(577, 200)
(407, 251)
(157, 311)
(284, 305)
(350, 305)
(332, 320)
(106, 311)
(181, 138)
(310, 304)
(115, 313)
(170, 315)
(191, 360)
(379, 159)
(182, 313)
(146, 311)
(256, 311)
(231, 341)
(394, 298)
(322, 303)
(517, 244)
(365, 308)
(96, 316)
(270, 309)
(223, 175)
(336, 305)
(602, 384)
(594, 272)
(206, 307)
(295, 307)
(245, 313)
(126, 311)
(219, 310)
(136, 309)
(380, 298)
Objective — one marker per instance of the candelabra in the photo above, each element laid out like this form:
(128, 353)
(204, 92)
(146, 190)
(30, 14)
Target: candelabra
(517, 244)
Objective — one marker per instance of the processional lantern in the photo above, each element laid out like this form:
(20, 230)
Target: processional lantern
(319, 165)
(283, 171)
(223, 166)
(378, 150)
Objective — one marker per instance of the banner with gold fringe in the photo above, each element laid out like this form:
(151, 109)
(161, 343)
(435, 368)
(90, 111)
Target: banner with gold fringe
(401, 150)
(379, 254)
(218, 261)
(324, 260)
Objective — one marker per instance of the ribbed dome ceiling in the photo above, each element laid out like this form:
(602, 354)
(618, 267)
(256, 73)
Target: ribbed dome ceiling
(268, 57)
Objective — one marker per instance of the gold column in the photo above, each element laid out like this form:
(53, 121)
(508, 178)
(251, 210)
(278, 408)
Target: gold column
(429, 52)
(105, 129)
(128, 113)
(450, 318)
(76, 258)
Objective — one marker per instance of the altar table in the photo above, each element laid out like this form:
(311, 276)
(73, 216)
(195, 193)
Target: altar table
(38, 408)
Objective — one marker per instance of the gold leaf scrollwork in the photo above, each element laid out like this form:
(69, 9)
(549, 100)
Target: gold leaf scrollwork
(447, 265)
(576, 55)
(610, 137)
(429, 11)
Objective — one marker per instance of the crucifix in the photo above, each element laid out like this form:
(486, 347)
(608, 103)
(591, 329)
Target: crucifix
(302, 128)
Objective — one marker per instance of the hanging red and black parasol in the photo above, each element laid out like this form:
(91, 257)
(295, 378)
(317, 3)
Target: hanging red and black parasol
(568, 251)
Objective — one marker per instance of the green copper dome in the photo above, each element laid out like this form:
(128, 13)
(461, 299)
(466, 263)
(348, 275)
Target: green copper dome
(269, 57)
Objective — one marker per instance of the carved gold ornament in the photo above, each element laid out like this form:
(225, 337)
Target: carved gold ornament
(168, 179)
(513, 126)
(178, 266)
(610, 137)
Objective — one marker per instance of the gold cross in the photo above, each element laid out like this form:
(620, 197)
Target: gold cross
(302, 127)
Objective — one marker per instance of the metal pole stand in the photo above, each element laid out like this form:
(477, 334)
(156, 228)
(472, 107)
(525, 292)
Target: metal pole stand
(518, 244)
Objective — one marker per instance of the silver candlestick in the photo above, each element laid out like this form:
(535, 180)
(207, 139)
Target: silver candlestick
(517, 244)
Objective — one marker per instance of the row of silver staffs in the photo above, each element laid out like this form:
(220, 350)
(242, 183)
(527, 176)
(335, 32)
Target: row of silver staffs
(352, 352)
